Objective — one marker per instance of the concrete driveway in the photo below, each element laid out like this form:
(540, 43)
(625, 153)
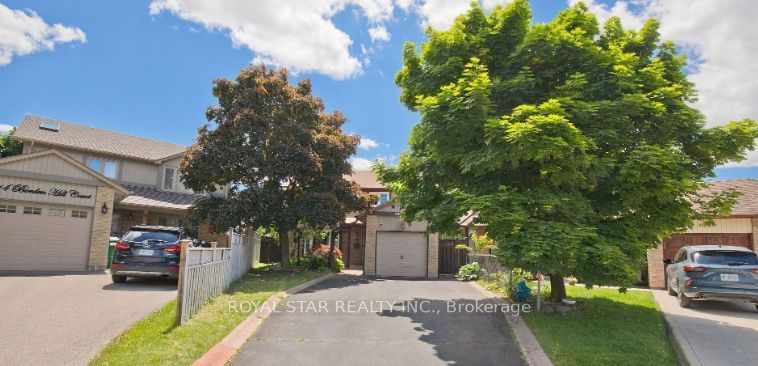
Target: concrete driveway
(713, 332)
(349, 320)
(66, 319)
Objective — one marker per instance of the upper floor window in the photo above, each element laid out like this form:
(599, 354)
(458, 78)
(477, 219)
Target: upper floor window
(383, 198)
(108, 168)
(169, 178)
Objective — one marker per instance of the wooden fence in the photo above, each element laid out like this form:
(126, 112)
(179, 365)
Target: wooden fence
(205, 273)
(450, 259)
(488, 262)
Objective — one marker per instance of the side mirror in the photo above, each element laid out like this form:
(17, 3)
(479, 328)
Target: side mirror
(667, 261)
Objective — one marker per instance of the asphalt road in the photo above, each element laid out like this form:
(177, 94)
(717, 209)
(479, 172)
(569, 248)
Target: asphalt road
(66, 319)
(349, 320)
(713, 333)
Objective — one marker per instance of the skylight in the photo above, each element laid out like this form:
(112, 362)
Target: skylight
(50, 125)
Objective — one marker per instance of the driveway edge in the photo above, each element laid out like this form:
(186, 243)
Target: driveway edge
(527, 342)
(682, 347)
(222, 352)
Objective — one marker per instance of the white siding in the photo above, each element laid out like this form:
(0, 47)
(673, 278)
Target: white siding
(140, 173)
(729, 225)
(48, 165)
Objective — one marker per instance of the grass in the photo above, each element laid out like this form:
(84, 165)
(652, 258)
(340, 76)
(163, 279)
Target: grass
(612, 329)
(156, 341)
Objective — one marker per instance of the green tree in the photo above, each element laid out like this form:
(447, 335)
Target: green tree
(283, 156)
(578, 146)
(10, 146)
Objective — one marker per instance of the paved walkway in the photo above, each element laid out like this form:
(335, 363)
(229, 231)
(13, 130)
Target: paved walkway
(67, 319)
(349, 320)
(713, 333)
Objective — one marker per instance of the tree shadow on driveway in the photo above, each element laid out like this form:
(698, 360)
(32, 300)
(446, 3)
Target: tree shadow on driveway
(462, 331)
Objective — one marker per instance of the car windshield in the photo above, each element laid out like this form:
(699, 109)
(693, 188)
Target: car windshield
(733, 258)
(154, 236)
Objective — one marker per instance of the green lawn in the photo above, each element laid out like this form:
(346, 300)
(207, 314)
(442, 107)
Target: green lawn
(612, 329)
(156, 341)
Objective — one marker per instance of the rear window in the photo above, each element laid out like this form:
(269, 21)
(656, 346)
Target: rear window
(159, 236)
(725, 257)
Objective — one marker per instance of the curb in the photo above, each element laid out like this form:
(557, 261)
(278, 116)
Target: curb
(221, 353)
(527, 342)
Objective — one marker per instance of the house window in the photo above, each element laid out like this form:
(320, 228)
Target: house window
(383, 198)
(56, 212)
(79, 214)
(168, 178)
(32, 211)
(108, 168)
(7, 209)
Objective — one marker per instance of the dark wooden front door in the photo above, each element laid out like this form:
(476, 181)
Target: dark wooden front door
(675, 242)
(450, 259)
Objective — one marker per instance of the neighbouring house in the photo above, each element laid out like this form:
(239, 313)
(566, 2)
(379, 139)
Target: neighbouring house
(740, 228)
(382, 244)
(75, 186)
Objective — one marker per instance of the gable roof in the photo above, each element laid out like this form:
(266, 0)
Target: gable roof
(747, 203)
(39, 154)
(91, 139)
(366, 179)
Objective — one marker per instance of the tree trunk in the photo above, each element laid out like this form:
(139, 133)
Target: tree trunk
(284, 244)
(557, 288)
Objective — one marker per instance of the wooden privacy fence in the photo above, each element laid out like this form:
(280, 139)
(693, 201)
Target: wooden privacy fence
(205, 273)
(488, 262)
(450, 259)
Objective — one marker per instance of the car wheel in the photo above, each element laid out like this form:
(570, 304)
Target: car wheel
(684, 301)
(118, 279)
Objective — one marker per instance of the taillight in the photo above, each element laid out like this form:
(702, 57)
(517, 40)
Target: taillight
(755, 271)
(122, 245)
(173, 249)
(691, 268)
(688, 283)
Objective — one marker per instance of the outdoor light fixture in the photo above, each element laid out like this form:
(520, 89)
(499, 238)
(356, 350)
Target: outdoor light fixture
(104, 209)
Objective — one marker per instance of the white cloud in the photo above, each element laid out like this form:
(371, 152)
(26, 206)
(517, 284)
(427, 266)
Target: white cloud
(720, 40)
(379, 33)
(5, 128)
(367, 143)
(440, 14)
(299, 35)
(23, 32)
(360, 164)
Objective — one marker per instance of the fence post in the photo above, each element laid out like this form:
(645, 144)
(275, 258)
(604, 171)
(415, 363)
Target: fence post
(180, 286)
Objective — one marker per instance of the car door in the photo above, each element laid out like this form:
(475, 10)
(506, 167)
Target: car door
(672, 269)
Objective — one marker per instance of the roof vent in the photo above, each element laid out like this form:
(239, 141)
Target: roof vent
(50, 126)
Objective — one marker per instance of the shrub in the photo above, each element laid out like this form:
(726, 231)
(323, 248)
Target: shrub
(323, 251)
(470, 272)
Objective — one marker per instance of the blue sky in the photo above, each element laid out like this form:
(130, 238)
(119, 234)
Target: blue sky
(138, 66)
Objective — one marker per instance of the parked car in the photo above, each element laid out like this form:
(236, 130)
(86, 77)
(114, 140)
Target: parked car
(148, 251)
(713, 272)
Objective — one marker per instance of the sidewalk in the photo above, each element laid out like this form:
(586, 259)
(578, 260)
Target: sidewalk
(713, 333)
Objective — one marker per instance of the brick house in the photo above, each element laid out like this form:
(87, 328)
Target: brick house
(75, 186)
(740, 228)
(380, 243)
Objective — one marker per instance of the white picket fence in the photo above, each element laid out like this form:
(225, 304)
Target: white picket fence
(205, 273)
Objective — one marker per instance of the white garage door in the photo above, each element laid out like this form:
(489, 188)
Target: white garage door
(38, 237)
(401, 254)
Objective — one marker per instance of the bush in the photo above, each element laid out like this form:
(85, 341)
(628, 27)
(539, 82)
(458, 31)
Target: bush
(470, 272)
(319, 257)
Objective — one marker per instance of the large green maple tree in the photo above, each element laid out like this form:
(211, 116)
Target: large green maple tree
(283, 156)
(578, 146)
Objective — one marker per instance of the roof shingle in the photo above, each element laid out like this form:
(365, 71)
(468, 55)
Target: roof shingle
(747, 203)
(94, 139)
(151, 197)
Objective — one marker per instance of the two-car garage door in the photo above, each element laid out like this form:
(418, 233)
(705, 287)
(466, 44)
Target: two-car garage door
(37, 237)
(401, 254)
